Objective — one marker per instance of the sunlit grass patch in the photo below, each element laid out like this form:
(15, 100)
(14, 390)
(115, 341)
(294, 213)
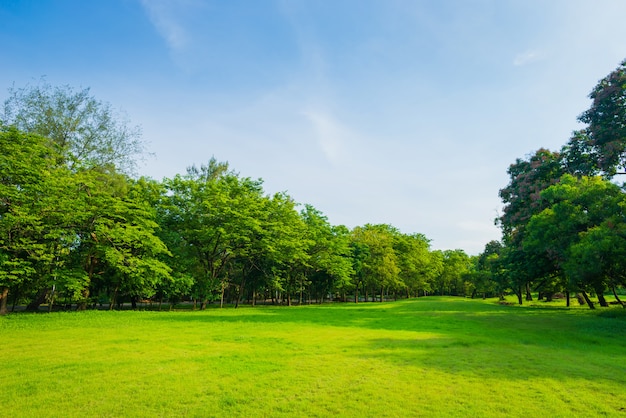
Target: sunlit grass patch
(425, 357)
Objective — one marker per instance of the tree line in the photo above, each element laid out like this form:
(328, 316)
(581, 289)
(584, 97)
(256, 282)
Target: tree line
(77, 229)
(564, 220)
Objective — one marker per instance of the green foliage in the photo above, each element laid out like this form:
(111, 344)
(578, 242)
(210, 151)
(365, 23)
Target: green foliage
(607, 121)
(87, 132)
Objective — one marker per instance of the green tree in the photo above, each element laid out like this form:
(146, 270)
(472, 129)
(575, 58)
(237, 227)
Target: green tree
(218, 216)
(522, 199)
(88, 132)
(26, 167)
(380, 267)
(328, 267)
(606, 119)
(575, 206)
(456, 264)
(414, 262)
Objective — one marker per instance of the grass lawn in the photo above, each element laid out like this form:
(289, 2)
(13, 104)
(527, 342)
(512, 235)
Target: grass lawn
(434, 356)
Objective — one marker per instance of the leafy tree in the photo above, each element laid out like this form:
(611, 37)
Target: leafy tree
(414, 262)
(575, 206)
(579, 157)
(287, 250)
(218, 216)
(607, 121)
(380, 267)
(522, 199)
(456, 263)
(88, 132)
(599, 257)
(130, 248)
(328, 267)
(26, 165)
(483, 275)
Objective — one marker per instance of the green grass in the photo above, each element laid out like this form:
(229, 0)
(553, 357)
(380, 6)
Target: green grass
(427, 357)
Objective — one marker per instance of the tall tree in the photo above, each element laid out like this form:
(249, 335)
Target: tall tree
(607, 121)
(217, 214)
(522, 199)
(328, 268)
(88, 132)
(380, 267)
(27, 166)
(575, 206)
(414, 262)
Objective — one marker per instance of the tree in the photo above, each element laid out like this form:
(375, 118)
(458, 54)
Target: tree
(575, 206)
(485, 269)
(456, 263)
(414, 262)
(328, 267)
(26, 166)
(88, 132)
(217, 215)
(380, 267)
(607, 121)
(599, 257)
(522, 199)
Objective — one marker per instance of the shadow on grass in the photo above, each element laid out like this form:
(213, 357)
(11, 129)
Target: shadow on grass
(463, 320)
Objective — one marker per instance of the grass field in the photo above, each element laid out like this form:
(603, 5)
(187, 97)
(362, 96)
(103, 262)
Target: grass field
(426, 357)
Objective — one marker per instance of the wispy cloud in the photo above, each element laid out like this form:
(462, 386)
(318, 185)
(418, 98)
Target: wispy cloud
(165, 16)
(527, 57)
(329, 133)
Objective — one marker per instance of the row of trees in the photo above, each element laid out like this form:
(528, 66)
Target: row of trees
(76, 228)
(564, 220)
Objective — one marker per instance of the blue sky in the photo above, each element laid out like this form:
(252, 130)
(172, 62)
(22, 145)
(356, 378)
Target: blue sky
(389, 111)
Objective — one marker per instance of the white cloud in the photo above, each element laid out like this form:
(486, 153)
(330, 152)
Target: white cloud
(165, 16)
(329, 133)
(527, 57)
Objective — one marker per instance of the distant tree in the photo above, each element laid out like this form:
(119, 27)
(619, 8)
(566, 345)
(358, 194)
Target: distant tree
(329, 268)
(87, 132)
(218, 217)
(414, 262)
(456, 263)
(380, 265)
(485, 269)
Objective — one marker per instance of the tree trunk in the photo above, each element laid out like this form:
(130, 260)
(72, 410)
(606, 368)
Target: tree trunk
(356, 293)
(4, 295)
(519, 295)
(529, 296)
(567, 298)
(112, 302)
(614, 294)
(82, 305)
(601, 300)
(589, 302)
(382, 293)
(35, 303)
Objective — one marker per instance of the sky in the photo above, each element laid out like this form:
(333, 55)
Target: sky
(402, 112)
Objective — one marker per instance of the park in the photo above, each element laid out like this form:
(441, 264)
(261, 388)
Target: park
(432, 356)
